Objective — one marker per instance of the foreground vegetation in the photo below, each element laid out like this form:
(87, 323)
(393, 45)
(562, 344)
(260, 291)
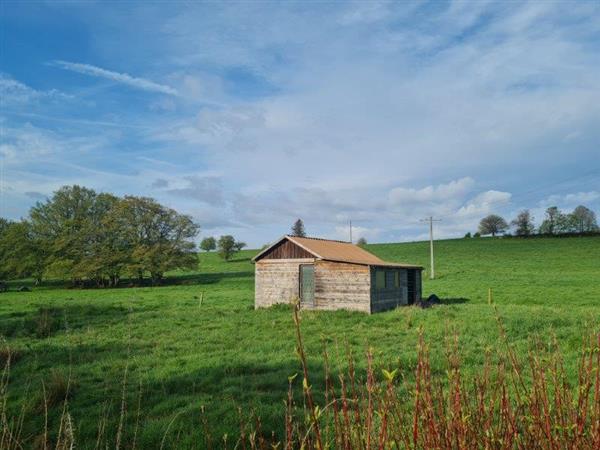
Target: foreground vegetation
(167, 366)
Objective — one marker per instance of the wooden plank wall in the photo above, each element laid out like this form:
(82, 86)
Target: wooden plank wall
(342, 286)
(286, 250)
(277, 281)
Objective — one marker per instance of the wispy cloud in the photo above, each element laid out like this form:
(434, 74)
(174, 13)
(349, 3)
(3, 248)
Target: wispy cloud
(124, 78)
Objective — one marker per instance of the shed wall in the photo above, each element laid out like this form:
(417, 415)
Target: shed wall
(277, 281)
(342, 286)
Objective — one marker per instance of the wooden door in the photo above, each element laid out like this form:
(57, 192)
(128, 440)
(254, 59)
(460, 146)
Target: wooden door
(307, 285)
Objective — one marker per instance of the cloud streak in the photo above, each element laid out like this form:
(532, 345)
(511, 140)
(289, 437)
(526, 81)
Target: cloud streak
(123, 78)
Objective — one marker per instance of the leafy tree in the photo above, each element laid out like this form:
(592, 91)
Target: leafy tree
(584, 219)
(227, 246)
(477, 234)
(208, 244)
(550, 223)
(492, 224)
(361, 241)
(468, 235)
(298, 229)
(158, 239)
(20, 255)
(239, 245)
(524, 223)
(63, 227)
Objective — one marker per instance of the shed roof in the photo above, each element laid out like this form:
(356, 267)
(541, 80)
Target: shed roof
(337, 251)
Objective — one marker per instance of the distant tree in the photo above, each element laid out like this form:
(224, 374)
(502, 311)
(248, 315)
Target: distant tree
(550, 223)
(584, 219)
(227, 246)
(492, 224)
(298, 229)
(468, 235)
(477, 234)
(239, 245)
(523, 223)
(361, 241)
(208, 244)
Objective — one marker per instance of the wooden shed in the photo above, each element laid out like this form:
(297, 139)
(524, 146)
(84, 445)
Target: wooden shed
(325, 274)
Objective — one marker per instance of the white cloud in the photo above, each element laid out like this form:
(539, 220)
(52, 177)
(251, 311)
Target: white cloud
(571, 200)
(13, 92)
(485, 203)
(124, 78)
(432, 194)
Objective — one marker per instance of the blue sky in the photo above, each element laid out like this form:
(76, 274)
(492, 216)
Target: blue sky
(248, 115)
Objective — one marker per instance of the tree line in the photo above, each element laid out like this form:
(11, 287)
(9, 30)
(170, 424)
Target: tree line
(97, 238)
(581, 220)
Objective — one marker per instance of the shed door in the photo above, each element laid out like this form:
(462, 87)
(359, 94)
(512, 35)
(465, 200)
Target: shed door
(307, 285)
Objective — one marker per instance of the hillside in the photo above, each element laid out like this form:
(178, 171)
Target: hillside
(180, 354)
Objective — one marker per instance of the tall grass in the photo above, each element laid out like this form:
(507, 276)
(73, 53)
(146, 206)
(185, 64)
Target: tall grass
(513, 402)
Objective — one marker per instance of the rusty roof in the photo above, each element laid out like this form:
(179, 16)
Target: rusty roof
(338, 251)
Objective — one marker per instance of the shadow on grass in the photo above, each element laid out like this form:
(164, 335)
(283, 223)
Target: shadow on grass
(454, 301)
(239, 260)
(173, 280)
(46, 321)
(204, 278)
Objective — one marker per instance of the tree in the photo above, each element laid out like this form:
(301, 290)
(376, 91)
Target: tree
(361, 241)
(20, 255)
(239, 245)
(208, 244)
(550, 223)
(524, 223)
(468, 235)
(155, 238)
(492, 224)
(227, 246)
(584, 219)
(298, 229)
(65, 230)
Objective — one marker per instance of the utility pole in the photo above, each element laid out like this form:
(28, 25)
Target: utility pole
(430, 219)
(1, 185)
(351, 232)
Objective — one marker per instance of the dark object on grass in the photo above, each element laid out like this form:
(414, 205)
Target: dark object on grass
(3, 286)
(428, 302)
(24, 289)
(434, 299)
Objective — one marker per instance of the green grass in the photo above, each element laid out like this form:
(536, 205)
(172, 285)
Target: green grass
(223, 354)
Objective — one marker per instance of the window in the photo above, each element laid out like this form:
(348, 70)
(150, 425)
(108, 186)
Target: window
(379, 279)
(396, 279)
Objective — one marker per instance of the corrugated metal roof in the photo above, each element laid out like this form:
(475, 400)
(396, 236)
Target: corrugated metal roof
(338, 251)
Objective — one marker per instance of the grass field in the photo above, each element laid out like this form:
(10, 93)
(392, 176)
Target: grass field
(164, 349)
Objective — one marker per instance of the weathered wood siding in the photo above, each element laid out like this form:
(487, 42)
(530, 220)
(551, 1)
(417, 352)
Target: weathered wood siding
(342, 286)
(277, 281)
(287, 250)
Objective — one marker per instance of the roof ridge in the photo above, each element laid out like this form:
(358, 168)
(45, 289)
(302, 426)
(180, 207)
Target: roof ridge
(319, 239)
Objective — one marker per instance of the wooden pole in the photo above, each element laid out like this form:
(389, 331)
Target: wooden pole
(432, 275)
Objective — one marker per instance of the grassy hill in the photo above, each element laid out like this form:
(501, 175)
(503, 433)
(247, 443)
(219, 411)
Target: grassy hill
(198, 342)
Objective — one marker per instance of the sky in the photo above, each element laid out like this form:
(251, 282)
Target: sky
(249, 115)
